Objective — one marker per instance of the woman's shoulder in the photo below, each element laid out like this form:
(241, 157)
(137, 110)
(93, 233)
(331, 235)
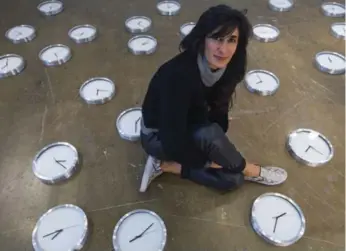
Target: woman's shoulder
(181, 63)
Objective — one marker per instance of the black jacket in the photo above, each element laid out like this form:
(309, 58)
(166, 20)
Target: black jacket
(177, 100)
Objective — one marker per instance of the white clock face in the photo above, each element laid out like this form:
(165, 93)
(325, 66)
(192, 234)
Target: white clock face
(138, 23)
(55, 53)
(10, 63)
(331, 61)
(50, 6)
(129, 122)
(310, 146)
(168, 6)
(153, 237)
(63, 228)
(339, 29)
(266, 31)
(142, 44)
(334, 9)
(262, 81)
(278, 219)
(187, 28)
(55, 161)
(281, 3)
(96, 90)
(82, 32)
(20, 32)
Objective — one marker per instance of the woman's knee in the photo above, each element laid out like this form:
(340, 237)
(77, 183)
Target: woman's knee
(231, 182)
(207, 134)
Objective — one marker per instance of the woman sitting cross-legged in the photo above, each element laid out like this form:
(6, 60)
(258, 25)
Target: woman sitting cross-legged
(185, 110)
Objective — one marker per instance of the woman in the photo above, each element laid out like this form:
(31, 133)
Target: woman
(185, 110)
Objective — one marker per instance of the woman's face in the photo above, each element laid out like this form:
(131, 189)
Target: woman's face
(219, 51)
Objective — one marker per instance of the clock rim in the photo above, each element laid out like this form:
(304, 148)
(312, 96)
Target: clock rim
(138, 30)
(15, 71)
(301, 160)
(99, 101)
(55, 62)
(142, 52)
(328, 14)
(262, 93)
(269, 239)
(51, 13)
(117, 226)
(325, 69)
(21, 40)
(168, 13)
(266, 40)
(82, 240)
(63, 177)
(281, 9)
(83, 40)
(121, 133)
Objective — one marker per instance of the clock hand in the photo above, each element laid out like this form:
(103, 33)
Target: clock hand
(57, 232)
(5, 64)
(307, 149)
(260, 80)
(59, 162)
(139, 23)
(144, 43)
(329, 59)
(316, 150)
(136, 123)
(80, 34)
(56, 56)
(276, 220)
(140, 235)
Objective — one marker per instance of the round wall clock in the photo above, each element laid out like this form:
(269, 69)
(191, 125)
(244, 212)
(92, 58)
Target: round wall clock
(277, 219)
(266, 33)
(137, 24)
(262, 82)
(21, 34)
(142, 44)
(186, 28)
(129, 124)
(11, 65)
(338, 30)
(64, 227)
(55, 162)
(168, 8)
(83, 33)
(56, 54)
(281, 5)
(330, 62)
(309, 147)
(97, 90)
(140, 230)
(333, 9)
(51, 7)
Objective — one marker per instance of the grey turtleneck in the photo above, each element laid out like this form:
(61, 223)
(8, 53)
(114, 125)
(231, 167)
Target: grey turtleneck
(208, 76)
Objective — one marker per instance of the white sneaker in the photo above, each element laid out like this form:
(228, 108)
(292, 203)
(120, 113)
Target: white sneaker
(151, 171)
(269, 176)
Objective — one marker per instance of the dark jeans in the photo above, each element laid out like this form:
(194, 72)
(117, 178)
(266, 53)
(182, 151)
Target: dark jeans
(214, 146)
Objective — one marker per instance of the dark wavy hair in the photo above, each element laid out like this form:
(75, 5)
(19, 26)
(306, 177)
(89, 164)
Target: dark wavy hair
(218, 22)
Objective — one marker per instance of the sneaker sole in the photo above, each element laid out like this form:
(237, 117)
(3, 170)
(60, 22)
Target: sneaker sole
(146, 174)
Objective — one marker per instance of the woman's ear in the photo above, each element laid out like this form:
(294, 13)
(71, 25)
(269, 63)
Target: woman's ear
(244, 11)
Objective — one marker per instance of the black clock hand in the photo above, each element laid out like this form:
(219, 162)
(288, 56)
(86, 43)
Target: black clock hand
(140, 235)
(307, 149)
(56, 56)
(59, 162)
(260, 80)
(276, 220)
(57, 232)
(316, 150)
(136, 124)
(5, 64)
(329, 59)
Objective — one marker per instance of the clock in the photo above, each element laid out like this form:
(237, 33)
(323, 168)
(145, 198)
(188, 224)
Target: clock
(54, 55)
(330, 62)
(186, 28)
(142, 44)
(21, 34)
(97, 90)
(83, 33)
(55, 162)
(262, 82)
(338, 30)
(168, 8)
(277, 219)
(333, 9)
(137, 24)
(140, 229)
(266, 33)
(51, 7)
(64, 227)
(280, 5)
(128, 124)
(11, 65)
(309, 147)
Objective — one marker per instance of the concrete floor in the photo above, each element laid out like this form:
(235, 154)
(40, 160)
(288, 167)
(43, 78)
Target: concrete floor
(41, 106)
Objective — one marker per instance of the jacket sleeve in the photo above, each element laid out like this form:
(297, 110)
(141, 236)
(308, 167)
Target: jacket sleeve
(175, 98)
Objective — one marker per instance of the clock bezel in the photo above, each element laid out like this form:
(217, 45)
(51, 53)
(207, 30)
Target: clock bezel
(138, 30)
(99, 101)
(323, 69)
(50, 13)
(121, 133)
(261, 93)
(168, 13)
(290, 150)
(266, 237)
(80, 244)
(17, 70)
(129, 214)
(83, 40)
(280, 9)
(63, 177)
(21, 40)
(329, 14)
(266, 40)
(142, 52)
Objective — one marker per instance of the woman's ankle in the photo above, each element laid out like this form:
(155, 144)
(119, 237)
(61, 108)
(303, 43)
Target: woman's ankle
(170, 167)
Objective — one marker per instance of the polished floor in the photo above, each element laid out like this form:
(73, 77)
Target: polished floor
(42, 105)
